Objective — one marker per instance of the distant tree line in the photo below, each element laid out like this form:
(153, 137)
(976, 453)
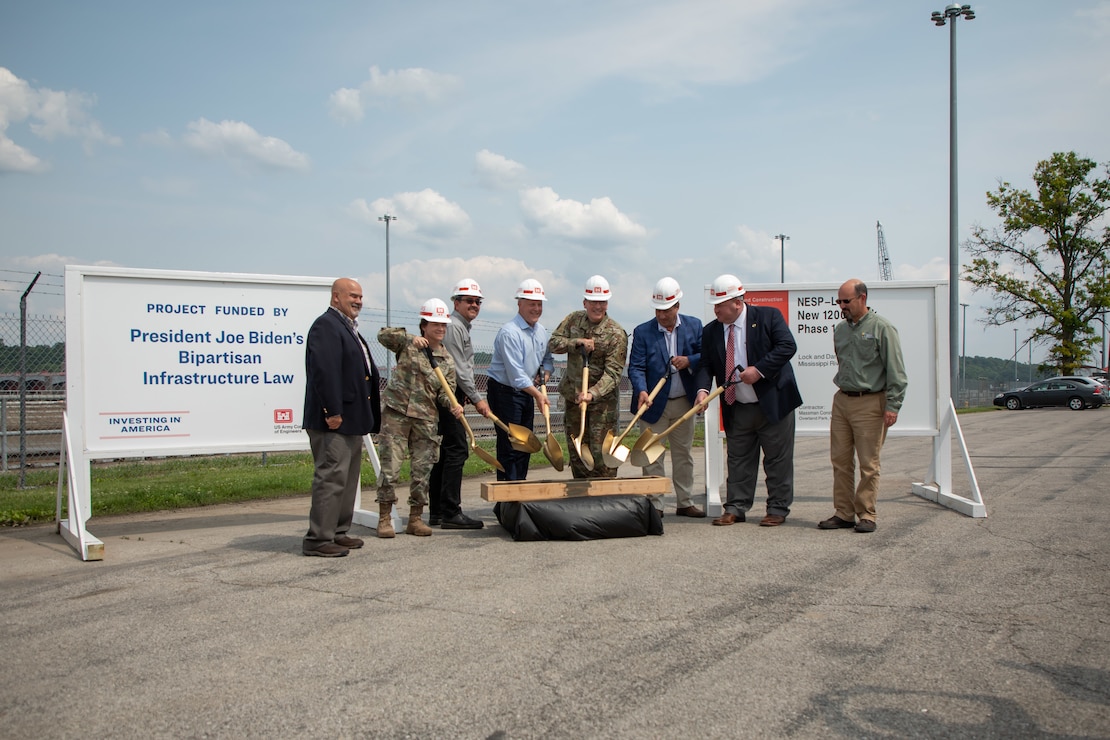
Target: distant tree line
(41, 358)
(998, 373)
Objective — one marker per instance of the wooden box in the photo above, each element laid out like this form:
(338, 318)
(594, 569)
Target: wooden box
(541, 490)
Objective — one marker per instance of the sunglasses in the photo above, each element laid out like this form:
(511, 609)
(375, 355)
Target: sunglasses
(844, 301)
(472, 301)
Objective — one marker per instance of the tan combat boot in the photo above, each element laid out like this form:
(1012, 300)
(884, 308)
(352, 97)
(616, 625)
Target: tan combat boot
(415, 526)
(385, 522)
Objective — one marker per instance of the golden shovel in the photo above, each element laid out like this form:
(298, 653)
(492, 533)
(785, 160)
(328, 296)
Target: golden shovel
(612, 451)
(583, 452)
(521, 438)
(469, 432)
(551, 447)
(649, 447)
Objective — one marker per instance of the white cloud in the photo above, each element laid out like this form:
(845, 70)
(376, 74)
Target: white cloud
(934, 269)
(596, 221)
(14, 158)
(239, 143)
(426, 212)
(411, 87)
(346, 105)
(414, 281)
(51, 114)
(497, 172)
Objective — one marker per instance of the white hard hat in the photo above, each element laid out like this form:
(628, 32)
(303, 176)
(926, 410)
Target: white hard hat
(597, 289)
(467, 287)
(725, 288)
(532, 290)
(666, 293)
(435, 311)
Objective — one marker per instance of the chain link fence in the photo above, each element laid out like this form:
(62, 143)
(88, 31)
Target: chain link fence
(31, 403)
(32, 390)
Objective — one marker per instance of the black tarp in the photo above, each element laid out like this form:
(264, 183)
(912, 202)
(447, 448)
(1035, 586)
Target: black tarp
(579, 518)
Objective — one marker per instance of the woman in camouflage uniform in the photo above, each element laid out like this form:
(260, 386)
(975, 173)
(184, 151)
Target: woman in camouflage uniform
(409, 415)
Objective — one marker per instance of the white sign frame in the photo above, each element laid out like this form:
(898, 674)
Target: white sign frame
(165, 363)
(918, 310)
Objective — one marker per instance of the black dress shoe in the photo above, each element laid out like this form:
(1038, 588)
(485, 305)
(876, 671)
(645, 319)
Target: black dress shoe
(434, 520)
(461, 521)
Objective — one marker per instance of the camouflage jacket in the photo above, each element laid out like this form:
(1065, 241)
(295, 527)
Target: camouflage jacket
(413, 388)
(606, 361)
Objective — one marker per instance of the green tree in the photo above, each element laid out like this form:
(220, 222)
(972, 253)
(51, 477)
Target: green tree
(1047, 261)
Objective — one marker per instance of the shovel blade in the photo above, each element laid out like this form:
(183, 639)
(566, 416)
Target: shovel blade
(583, 451)
(487, 457)
(648, 455)
(616, 457)
(554, 452)
(523, 439)
(586, 455)
(644, 441)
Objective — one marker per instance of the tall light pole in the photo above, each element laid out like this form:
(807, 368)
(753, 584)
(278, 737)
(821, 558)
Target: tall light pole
(387, 218)
(782, 257)
(1015, 356)
(951, 13)
(963, 351)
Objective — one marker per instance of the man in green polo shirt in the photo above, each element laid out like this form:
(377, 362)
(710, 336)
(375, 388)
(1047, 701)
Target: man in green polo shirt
(871, 376)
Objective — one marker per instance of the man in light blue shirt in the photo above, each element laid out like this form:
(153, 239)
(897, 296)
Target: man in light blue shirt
(520, 361)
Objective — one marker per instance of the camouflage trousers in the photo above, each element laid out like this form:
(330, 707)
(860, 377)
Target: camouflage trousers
(601, 416)
(401, 434)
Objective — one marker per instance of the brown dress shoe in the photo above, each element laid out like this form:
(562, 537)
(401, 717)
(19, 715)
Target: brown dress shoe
(728, 518)
(351, 543)
(327, 550)
(771, 520)
(691, 511)
(835, 522)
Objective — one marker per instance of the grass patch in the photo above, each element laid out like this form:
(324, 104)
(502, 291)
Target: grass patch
(133, 486)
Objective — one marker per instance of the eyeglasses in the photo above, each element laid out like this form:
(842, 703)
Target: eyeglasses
(844, 301)
(472, 301)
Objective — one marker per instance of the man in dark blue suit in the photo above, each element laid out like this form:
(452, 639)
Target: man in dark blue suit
(341, 405)
(668, 347)
(747, 350)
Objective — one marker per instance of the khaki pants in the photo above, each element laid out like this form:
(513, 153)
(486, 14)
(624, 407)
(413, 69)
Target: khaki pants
(680, 442)
(856, 431)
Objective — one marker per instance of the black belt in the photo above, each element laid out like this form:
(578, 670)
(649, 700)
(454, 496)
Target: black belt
(508, 388)
(857, 394)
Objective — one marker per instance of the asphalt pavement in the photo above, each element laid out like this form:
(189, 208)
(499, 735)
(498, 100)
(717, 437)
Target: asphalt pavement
(210, 623)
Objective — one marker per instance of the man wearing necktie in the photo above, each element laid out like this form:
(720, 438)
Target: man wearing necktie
(342, 404)
(747, 350)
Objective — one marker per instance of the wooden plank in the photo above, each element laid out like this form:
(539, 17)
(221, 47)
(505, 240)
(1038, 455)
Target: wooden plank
(527, 490)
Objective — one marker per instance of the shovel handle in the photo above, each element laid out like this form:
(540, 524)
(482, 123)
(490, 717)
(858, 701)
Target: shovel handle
(447, 389)
(689, 414)
(546, 412)
(640, 411)
(498, 422)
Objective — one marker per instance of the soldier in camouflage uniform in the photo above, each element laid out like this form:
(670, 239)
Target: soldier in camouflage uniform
(607, 345)
(409, 415)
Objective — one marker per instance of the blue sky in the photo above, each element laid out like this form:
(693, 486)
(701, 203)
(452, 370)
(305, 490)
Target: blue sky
(527, 139)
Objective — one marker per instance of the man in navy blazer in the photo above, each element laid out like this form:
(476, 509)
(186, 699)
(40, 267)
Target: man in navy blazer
(757, 407)
(341, 405)
(668, 347)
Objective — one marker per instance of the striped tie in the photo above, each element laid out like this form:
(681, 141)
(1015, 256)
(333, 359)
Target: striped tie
(730, 366)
